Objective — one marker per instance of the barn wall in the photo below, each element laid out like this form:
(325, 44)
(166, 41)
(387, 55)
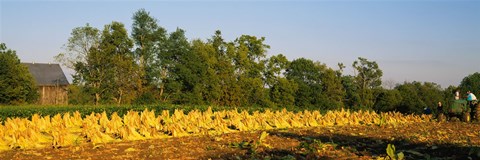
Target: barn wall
(53, 95)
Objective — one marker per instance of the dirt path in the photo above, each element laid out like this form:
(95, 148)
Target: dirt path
(415, 141)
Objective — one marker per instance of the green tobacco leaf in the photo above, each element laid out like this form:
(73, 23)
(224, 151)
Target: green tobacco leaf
(391, 151)
(400, 156)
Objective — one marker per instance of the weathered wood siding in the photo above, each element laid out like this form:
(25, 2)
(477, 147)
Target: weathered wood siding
(53, 95)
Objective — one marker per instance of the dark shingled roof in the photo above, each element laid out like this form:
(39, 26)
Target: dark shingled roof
(47, 74)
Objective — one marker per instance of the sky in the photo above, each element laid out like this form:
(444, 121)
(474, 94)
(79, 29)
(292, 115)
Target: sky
(425, 41)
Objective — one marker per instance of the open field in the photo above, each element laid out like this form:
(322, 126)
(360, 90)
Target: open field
(67, 129)
(233, 134)
(455, 140)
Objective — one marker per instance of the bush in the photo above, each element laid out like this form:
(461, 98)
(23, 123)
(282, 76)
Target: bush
(146, 98)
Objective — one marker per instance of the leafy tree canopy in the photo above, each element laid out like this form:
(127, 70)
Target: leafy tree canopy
(17, 85)
(471, 83)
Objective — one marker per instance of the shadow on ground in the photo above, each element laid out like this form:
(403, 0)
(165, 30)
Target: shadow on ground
(342, 146)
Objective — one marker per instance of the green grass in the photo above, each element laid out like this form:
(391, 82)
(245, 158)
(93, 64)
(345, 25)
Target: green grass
(26, 111)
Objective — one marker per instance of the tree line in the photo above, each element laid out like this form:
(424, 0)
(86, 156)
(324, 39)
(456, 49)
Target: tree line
(152, 65)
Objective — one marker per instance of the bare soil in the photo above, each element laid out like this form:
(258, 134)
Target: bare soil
(453, 140)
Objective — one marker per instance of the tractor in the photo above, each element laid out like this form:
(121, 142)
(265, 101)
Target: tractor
(476, 111)
(459, 109)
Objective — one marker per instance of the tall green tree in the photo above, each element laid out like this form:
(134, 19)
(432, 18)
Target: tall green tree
(416, 96)
(387, 100)
(318, 85)
(431, 93)
(17, 85)
(249, 62)
(78, 47)
(368, 76)
(333, 88)
(203, 84)
(306, 75)
(177, 47)
(411, 100)
(250, 55)
(109, 71)
(222, 80)
(470, 83)
(352, 96)
(93, 74)
(275, 68)
(210, 88)
(282, 92)
(149, 39)
(116, 47)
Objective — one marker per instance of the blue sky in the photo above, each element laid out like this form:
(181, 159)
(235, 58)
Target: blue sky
(433, 41)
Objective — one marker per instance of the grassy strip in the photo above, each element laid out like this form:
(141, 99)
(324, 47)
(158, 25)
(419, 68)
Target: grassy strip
(26, 111)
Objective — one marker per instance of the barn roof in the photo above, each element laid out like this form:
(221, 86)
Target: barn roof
(47, 74)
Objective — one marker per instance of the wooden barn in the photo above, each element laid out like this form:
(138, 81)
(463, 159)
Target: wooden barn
(51, 81)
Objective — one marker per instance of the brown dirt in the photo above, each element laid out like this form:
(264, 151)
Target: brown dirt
(456, 140)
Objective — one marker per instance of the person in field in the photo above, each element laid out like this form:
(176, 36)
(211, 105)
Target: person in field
(457, 95)
(427, 110)
(439, 108)
(472, 100)
(440, 113)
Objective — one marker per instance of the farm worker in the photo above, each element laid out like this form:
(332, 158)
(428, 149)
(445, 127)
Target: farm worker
(471, 96)
(471, 99)
(439, 108)
(427, 110)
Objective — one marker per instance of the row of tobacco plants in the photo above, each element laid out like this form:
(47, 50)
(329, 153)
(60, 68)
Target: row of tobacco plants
(70, 129)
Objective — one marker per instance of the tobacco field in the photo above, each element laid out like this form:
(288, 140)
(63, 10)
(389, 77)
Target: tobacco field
(233, 134)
